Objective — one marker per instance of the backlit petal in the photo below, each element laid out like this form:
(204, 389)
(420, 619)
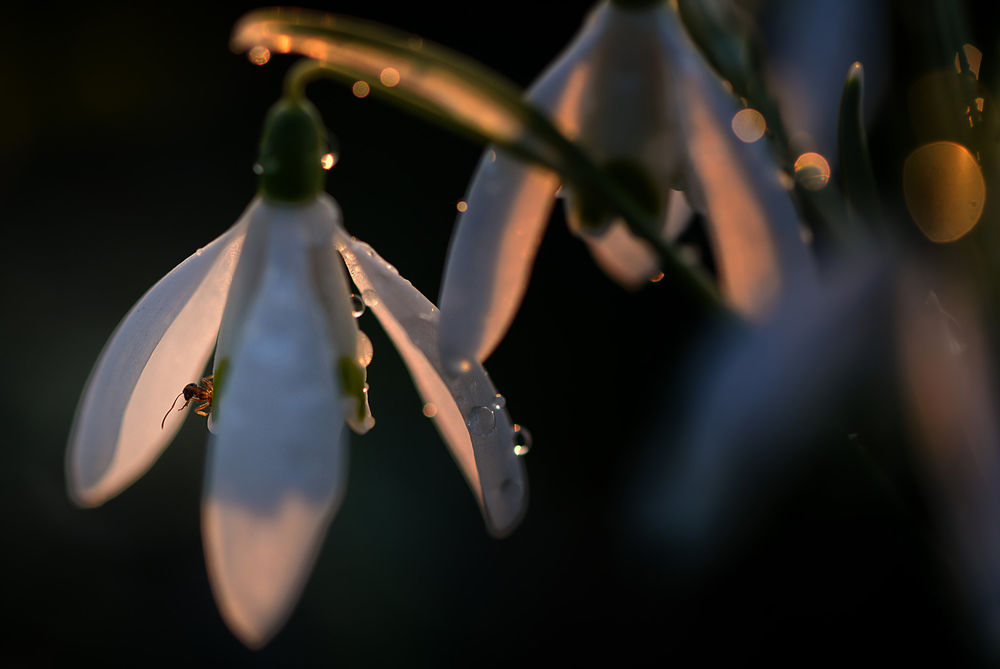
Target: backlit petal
(751, 219)
(496, 238)
(484, 451)
(160, 346)
(278, 457)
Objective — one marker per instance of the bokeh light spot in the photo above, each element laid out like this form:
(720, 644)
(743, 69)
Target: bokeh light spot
(360, 89)
(389, 76)
(328, 161)
(944, 190)
(749, 125)
(462, 205)
(812, 171)
(259, 55)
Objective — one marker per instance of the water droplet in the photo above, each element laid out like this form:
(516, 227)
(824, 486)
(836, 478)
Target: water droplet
(430, 410)
(656, 277)
(365, 388)
(481, 420)
(499, 402)
(199, 251)
(357, 306)
(365, 350)
(370, 297)
(258, 169)
(328, 161)
(522, 440)
(462, 206)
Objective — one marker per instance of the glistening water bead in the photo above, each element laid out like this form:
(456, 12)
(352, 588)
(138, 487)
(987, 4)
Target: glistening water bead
(357, 306)
(481, 420)
(522, 440)
(499, 402)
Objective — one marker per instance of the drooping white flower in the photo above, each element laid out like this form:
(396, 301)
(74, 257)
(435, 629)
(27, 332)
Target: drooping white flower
(290, 361)
(635, 92)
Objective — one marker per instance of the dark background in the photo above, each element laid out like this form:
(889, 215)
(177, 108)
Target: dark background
(127, 136)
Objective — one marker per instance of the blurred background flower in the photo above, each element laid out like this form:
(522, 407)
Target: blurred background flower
(128, 132)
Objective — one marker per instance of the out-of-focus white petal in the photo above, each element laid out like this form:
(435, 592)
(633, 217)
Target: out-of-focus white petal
(159, 347)
(479, 434)
(622, 109)
(751, 219)
(624, 257)
(628, 259)
(758, 406)
(952, 404)
(278, 460)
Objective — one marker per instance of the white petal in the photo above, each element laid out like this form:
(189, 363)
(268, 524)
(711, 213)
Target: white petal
(496, 239)
(624, 257)
(159, 347)
(622, 107)
(484, 453)
(491, 253)
(278, 458)
(628, 259)
(751, 219)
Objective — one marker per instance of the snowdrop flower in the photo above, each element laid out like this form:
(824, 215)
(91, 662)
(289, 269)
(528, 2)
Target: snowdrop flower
(634, 91)
(271, 297)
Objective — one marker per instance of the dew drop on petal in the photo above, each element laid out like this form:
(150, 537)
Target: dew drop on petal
(481, 420)
(328, 161)
(357, 306)
(522, 440)
(365, 350)
(370, 298)
(462, 206)
(258, 169)
(499, 402)
(430, 410)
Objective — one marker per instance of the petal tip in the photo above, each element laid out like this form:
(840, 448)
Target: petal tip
(504, 507)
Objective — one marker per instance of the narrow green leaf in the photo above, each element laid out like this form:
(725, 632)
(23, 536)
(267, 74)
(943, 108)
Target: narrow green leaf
(857, 177)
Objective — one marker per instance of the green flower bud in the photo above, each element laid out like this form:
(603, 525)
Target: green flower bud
(291, 151)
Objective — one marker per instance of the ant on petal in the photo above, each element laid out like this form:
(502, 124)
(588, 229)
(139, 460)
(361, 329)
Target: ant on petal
(200, 392)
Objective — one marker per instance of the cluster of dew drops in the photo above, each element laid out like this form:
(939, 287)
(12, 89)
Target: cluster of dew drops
(481, 420)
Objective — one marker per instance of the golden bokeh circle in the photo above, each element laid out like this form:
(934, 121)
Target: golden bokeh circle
(944, 190)
(812, 171)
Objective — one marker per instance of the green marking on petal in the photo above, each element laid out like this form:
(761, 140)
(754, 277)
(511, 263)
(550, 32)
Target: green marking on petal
(352, 384)
(218, 381)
